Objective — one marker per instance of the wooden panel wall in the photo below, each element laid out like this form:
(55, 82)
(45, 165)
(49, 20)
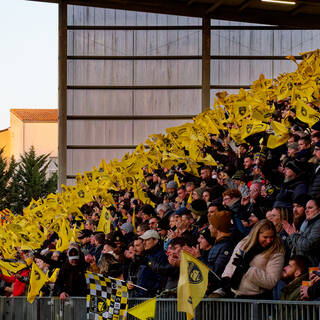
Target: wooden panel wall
(113, 80)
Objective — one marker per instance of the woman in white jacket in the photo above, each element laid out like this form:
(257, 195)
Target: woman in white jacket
(255, 265)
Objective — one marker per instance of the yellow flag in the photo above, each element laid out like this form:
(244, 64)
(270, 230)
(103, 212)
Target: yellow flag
(145, 310)
(12, 266)
(193, 283)
(306, 114)
(176, 179)
(104, 221)
(277, 141)
(37, 280)
(134, 220)
(250, 126)
(54, 275)
(64, 236)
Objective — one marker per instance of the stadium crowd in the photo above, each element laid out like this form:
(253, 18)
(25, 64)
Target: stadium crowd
(254, 220)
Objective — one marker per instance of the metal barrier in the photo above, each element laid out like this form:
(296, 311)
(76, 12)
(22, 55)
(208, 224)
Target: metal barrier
(208, 309)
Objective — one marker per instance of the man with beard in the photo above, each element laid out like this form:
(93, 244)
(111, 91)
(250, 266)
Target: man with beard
(293, 274)
(293, 185)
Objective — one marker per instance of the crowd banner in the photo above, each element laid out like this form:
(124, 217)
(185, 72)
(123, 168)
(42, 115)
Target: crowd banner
(107, 298)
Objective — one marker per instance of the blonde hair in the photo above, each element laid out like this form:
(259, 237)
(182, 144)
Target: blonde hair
(253, 238)
(107, 260)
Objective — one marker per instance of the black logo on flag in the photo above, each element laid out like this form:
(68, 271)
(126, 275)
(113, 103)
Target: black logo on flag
(194, 273)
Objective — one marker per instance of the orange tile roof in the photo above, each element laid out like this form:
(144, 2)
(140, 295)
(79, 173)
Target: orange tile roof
(36, 114)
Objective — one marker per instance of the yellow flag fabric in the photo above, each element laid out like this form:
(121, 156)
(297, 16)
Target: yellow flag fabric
(306, 114)
(54, 275)
(37, 280)
(64, 236)
(12, 266)
(145, 310)
(104, 221)
(176, 179)
(193, 283)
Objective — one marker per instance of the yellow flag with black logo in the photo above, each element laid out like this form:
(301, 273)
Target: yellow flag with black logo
(37, 280)
(104, 221)
(192, 285)
(306, 114)
(145, 310)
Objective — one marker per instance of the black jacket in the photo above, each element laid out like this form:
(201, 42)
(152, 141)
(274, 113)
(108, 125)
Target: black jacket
(314, 189)
(71, 279)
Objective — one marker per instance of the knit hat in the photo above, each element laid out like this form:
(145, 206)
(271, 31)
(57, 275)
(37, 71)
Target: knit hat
(199, 207)
(207, 235)
(239, 175)
(199, 191)
(295, 166)
(148, 209)
(181, 211)
(127, 227)
(221, 220)
(172, 185)
(294, 146)
(302, 199)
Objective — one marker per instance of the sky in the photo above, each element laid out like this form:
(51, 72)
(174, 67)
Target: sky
(28, 56)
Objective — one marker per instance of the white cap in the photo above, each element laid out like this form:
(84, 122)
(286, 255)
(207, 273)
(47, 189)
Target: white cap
(150, 234)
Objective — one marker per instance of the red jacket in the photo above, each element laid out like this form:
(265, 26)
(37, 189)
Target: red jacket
(18, 286)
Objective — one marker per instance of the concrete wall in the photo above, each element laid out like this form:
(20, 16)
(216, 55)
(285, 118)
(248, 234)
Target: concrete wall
(43, 136)
(5, 142)
(17, 136)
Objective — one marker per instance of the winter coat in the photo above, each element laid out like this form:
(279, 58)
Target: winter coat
(314, 189)
(71, 279)
(262, 275)
(291, 291)
(220, 254)
(19, 287)
(307, 242)
(289, 191)
(152, 281)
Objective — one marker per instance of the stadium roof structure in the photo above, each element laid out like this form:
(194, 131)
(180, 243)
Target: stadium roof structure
(286, 13)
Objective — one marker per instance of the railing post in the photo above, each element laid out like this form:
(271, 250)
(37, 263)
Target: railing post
(255, 311)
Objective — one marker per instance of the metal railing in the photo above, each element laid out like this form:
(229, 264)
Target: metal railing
(209, 309)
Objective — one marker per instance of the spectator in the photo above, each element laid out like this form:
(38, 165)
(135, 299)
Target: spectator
(255, 265)
(71, 279)
(306, 241)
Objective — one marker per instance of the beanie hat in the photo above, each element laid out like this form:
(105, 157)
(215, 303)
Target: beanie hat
(295, 166)
(172, 185)
(207, 235)
(239, 175)
(294, 146)
(199, 191)
(199, 207)
(221, 220)
(181, 211)
(148, 209)
(302, 199)
(127, 227)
